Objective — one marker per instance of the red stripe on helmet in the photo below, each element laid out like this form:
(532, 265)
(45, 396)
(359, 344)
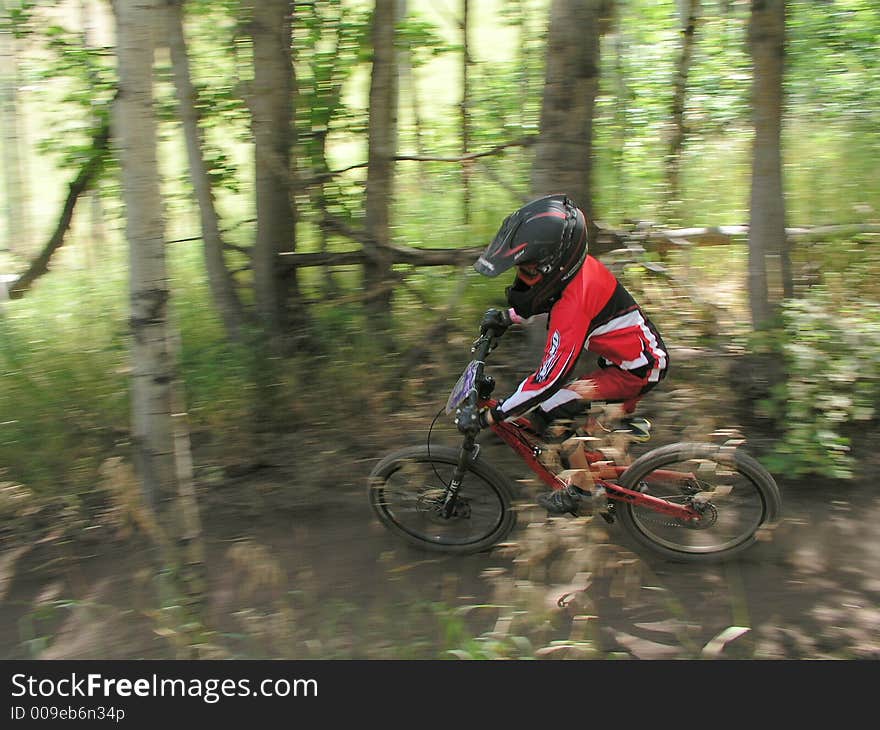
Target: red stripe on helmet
(550, 214)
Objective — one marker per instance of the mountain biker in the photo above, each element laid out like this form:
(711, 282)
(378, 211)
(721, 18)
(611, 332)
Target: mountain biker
(547, 242)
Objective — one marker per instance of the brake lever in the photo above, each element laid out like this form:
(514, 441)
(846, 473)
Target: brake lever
(480, 340)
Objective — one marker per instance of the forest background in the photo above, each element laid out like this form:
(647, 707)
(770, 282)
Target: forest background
(237, 240)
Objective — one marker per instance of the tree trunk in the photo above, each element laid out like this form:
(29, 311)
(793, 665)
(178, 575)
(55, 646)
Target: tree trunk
(152, 362)
(563, 155)
(564, 151)
(159, 436)
(382, 149)
(690, 13)
(769, 267)
(271, 105)
(219, 278)
(17, 238)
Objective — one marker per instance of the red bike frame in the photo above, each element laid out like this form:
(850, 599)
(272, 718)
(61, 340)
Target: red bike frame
(601, 470)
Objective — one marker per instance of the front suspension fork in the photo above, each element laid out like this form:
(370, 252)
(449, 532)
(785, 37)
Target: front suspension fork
(469, 451)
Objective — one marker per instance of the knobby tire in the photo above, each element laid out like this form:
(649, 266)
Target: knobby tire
(404, 483)
(753, 500)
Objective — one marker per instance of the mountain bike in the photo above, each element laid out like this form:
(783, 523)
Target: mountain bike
(685, 501)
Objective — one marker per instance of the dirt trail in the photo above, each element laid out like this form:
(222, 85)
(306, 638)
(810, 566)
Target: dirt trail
(352, 590)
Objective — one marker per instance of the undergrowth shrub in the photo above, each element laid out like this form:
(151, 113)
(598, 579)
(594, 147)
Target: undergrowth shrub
(831, 353)
(63, 392)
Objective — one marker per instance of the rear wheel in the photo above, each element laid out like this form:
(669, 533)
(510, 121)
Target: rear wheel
(407, 489)
(734, 494)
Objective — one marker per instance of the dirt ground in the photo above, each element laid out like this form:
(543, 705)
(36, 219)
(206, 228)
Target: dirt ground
(318, 577)
(813, 591)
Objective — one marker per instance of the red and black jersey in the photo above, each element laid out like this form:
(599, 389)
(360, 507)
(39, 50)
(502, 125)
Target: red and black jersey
(595, 313)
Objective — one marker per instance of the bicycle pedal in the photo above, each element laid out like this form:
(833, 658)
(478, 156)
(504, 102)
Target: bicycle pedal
(638, 429)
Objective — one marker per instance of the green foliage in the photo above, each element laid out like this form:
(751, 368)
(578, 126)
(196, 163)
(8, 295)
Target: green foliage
(77, 83)
(420, 39)
(18, 17)
(833, 104)
(831, 349)
(833, 52)
(330, 41)
(633, 115)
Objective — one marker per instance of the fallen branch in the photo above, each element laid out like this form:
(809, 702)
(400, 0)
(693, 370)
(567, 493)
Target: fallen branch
(399, 255)
(833, 231)
(723, 235)
(607, 241)
(371, 251)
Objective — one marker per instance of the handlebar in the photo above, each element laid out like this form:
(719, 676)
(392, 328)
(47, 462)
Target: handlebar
(481, 348)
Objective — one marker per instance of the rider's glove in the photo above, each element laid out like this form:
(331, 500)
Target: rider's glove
(495, 322)
(471, 419)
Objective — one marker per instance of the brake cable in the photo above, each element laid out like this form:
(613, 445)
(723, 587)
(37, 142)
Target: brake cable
(433, 465)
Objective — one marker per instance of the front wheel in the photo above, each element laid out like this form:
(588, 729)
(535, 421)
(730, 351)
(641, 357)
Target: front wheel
(407, 489)
(735, 495)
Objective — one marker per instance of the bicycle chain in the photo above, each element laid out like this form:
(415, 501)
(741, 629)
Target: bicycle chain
(662, 522)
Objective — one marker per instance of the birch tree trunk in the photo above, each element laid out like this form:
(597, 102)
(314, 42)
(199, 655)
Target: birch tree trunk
(151, 357)
(382, 149)
(271, 106)
(159, 433)
(769, 267)
(563, 152)
(219, 278)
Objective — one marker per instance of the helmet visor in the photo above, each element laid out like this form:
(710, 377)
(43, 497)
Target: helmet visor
(501, 254)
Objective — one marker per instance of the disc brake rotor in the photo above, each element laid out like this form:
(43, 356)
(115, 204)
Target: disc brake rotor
(708, 517)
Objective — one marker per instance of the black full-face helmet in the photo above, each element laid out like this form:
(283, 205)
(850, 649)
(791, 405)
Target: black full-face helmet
(547, 241)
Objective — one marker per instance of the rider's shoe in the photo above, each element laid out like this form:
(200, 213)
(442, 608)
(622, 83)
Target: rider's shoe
(562, 501)
(639, 429)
